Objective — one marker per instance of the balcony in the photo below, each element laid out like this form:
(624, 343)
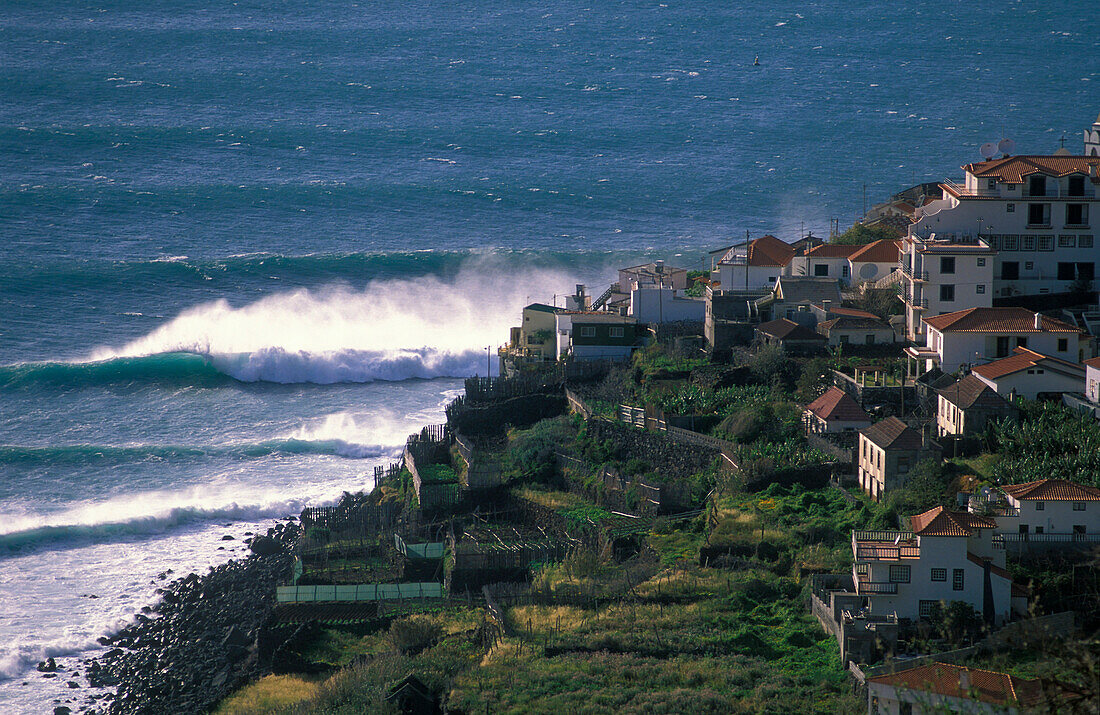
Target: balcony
(1052, 538)
(877, 587)
(914, 275)
(884, 545)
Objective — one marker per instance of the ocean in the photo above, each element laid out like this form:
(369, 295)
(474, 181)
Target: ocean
(248, 247)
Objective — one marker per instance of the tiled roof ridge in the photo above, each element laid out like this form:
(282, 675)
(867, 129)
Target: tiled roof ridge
(987, 317)
(1026, 489)
(943, 679)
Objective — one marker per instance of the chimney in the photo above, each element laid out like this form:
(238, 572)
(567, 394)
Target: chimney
(1038, 322)
(964, 680)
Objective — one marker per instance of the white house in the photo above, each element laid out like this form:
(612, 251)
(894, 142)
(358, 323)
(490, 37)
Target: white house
(978, 335)
(653, 273)
(834, 412)
(874, 261)
(1027, 373)
(655, 304)
(826, 261)
(948, 688)
(1092, 380)
(941, 276)
(1046, 506)
(1036, 211)
(1092, 139)
(854, 330)
(757, 264)
(946, 556)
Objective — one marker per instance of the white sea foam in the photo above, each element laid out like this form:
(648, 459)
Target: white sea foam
(359, 435)
(392, 329)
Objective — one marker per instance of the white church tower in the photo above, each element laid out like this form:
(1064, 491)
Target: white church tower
(1092, 139)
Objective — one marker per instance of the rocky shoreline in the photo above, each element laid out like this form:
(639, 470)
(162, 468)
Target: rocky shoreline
(208, 635)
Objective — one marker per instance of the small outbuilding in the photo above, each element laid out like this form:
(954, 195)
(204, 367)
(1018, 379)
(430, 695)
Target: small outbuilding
(834, 412)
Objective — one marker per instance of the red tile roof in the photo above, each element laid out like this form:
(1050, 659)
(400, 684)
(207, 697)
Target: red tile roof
(970, 391)
(997, 320)
(836, 404)
(892, 433)
(1013, 169)
(1051, 490)
(993, 568)
(852, 312)
(940, 522)
(769, 251)
(832, 250)
(884, 251)
(1093, 362)
(1021, 359)
(986, 686)
(787, 330)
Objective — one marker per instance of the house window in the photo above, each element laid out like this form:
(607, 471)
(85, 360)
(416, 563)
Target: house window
(899, 574)
(1040, 506)
(869, 340)
(1027, 243)
(1010, 242)
(958, 577)
(924, 608)
(1077, 214)
(821, 269)
(1067, 241)
(947, 293)
(844, 270)
(939, 574)
(1086, 271)
(616, 332)
(1037, 186)
(1076, 186)
(843, 339)
(1010, 270)
(1038, 214)
(1063, 344)
(980, 288)
(588, 332)
(1046, 243)
(1084, 241)
(947, 264)
(1011, 208)
(1078, 506)
(1021, 342)
(981, 262)
(992, 184)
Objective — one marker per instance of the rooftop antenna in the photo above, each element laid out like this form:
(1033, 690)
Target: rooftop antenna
(1006, 146)
(988, 150)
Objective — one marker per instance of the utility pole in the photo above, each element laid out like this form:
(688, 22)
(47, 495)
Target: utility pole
(488, 361)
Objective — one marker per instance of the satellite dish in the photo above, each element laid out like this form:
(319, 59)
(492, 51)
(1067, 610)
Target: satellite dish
(1006, 146)
(988, 150)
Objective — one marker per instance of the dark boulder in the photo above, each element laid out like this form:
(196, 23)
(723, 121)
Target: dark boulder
(265, 546)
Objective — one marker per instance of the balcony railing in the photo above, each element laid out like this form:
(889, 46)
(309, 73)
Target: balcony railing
(915, 275)
(877, 587)
(887, 553)
(881, 535)
(1053, 538)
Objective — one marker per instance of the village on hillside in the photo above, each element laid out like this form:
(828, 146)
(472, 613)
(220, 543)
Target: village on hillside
(859, 473)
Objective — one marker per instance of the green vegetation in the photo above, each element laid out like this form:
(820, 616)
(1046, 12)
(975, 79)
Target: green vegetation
(860, 234)
(438, 474)
(1049, 440)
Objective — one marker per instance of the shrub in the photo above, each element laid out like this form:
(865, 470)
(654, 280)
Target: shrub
(409, 636)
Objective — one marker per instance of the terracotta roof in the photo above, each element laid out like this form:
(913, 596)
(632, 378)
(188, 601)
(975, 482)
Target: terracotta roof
(787, 330)
(997, 320)
(986, 686)
(833, 250)
(1093, 362)
(836, 404)
(892, 433)
(1051, 490)
(1021, 359)
(940, 522)
(1013, 169)
(993, 568)
(840, 310)
(769, 251)
(970, 392)
(850, 322)
(883, 251)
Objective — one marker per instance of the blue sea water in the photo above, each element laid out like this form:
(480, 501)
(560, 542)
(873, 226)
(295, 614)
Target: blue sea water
(248, 246)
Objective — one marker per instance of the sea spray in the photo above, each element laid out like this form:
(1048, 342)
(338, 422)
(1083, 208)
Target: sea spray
(393, 329)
